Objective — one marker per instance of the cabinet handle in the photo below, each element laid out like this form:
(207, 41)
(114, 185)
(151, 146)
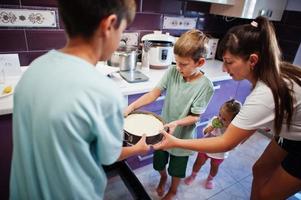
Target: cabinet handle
(160, 98)
(142, 158)
(217, 87)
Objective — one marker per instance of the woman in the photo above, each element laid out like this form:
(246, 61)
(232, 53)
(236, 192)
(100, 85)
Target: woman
(251, 52)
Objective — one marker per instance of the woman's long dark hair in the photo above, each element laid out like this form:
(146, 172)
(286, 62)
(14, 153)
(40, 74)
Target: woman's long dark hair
(259, 38)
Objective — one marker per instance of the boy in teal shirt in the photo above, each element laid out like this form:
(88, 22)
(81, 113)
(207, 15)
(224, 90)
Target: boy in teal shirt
(188, 92)
(67, 117)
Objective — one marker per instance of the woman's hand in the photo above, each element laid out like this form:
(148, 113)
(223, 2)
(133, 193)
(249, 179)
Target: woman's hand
(167, 142)
(171, 127)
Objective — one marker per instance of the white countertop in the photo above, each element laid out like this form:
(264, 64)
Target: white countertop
(212, 69)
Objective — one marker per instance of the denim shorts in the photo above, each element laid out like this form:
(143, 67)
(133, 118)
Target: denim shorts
(292, 162)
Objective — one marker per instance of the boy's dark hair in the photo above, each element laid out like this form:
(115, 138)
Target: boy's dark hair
(232, 106)
(82, 17)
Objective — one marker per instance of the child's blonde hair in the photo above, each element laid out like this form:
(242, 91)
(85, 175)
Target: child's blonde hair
(193, 44)
(233, 106)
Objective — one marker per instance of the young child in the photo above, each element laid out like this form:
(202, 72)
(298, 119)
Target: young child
(188, 92)
(216, 127)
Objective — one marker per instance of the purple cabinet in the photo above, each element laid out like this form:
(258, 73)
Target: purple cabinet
(141, 160)
(199, 129)
(155, 107)
(243, 90)
(5, 154)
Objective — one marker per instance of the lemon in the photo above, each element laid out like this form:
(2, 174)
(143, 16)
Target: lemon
(7, 89)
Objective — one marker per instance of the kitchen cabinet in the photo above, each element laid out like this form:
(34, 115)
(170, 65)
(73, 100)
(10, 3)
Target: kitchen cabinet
(243, 90)
(5, 154)
(155, 107)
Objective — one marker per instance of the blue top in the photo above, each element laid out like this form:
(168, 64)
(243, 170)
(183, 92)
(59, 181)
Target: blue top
(183, 99)
(67, 122)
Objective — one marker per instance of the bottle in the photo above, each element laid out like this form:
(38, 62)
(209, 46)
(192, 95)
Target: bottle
(145, 61)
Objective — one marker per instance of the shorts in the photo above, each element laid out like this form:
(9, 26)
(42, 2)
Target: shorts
(292, 162)
(177, 164)
(214, 160)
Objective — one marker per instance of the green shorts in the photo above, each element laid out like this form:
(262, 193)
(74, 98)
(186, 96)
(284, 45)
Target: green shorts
(177, 164)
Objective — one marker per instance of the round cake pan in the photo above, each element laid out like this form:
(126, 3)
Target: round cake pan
(132, 138)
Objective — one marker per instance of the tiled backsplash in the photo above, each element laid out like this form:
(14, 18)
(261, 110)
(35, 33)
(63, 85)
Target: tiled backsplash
(28, 18)
(32, 42)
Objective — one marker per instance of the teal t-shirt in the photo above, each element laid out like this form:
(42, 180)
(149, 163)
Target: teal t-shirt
(182, 99)
(67, 123)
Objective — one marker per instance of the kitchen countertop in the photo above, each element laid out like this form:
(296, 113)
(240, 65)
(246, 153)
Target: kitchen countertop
(212, 69)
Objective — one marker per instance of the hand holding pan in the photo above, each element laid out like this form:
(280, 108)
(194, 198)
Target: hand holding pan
(138, 123)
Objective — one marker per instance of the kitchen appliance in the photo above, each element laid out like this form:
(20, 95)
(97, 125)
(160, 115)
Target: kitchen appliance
(160, 49)
(143, 122)
(145, 56)
(248, 9)
(212, 47)
(125, 57)
(133, 76)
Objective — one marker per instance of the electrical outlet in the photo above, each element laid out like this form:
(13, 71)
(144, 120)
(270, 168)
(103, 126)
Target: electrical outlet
(130, 39)
(183, 23)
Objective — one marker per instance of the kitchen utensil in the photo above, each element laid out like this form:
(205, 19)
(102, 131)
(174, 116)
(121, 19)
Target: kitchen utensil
(145, 56)
(133, 76)
(212, 46)
(141, 122)
(125, 57)
(160, 50)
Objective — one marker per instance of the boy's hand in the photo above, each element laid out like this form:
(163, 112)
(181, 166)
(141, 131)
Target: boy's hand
(171, 127)
(127, 111)
(141, 145)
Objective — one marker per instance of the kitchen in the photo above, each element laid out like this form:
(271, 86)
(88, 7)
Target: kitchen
(30, 43)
